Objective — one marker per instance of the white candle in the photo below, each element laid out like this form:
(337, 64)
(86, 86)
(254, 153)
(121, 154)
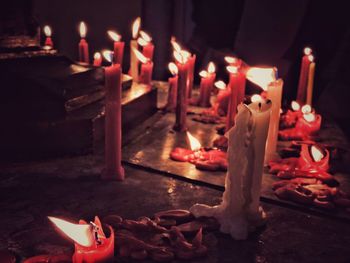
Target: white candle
(239, 211)
(134, 62)
(274, 93)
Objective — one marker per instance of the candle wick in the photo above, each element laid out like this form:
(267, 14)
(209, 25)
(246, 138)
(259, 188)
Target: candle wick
(95, 229)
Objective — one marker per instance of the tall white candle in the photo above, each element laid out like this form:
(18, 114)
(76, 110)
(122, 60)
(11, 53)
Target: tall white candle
(239, 211)
(274, 93)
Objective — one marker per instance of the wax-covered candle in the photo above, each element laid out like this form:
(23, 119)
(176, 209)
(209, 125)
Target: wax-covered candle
(172, 92)
(48, 33)
(97, 59)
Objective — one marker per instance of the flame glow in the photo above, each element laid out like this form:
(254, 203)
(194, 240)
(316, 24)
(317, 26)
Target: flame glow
(180, 57)
(307, 51)
(145, 36)
(114, 36)
(211, 68)
(311, 58)
(175, 45)
(47, 31)
(306, 109)
(220, 84)
(194, 143)
(261, 76)
(309, 117)
(108, 55)
(316, 153)
(231, 60)
(295, 106)
(256, 98)
(82, 30)
(140, 56)
(173, 68)
(203, 74)
(136, 27)
(232, 69)
(97, 55)
(142, 42)
(79, 233)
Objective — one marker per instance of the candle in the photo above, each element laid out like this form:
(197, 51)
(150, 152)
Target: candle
(190, 76)
(304, 72)
(97, 59)
(206, 85)
(118, 47)
(313, 157)
(134, 63)
(48, 40)
(172, 92)
(147, 46)
(233, 61)
(310, 83)
(113, 124)
(222, 99)
(239, 213)
(181, 102)
(90, 242)
(83, 45)
(146, 68)
(309, 123)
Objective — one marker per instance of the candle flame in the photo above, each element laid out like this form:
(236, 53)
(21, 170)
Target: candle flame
(114, 36)
(311, 58)
(232, 69)
(145, 36)
(140, 56)
(307, 51)
(309, 117)
(203, 74)
(142, 42)
(79, 233)
(306, 109)
(175, 45)
(211, 68)
(97, 55)
(295, 106)
(47, 31)
(220, 84)
(108, 55)
(136, 27)
(181, 56)
(231, 60)
(316, 153)
(261, 76)
(194, 143)
(82, 30)
(173, 68)
(256, 98)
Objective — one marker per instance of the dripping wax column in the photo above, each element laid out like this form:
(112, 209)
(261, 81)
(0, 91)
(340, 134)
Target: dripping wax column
(113, 124)
(240, 213)
(172, 92)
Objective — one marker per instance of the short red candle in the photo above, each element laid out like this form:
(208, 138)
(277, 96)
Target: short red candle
(222, 99)
(146, 73)
(205, 89)
(83, 45)
(148, 51)
(97, 59)
(303, 78)
(48, 42)
(118, 52)
(182, 99)
(190, 76)
(171, 104)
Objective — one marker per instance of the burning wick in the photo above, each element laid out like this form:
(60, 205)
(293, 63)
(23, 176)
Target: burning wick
(108, 55)
(114, 36)
(173, 68)
(295, 106)
(316, 153)
(307, 51)
(136, 27)
(306, 109)
(82, 30)
(220, 84)
(256, 98)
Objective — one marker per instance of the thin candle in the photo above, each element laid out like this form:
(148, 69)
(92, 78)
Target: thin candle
(83, 45)
(134, 63)
(48, 34)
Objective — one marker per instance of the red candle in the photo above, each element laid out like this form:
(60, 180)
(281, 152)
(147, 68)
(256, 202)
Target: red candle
(118, 47)
(48, 33)
(206, 85)
(237, 82)
(182, 98)
(190, 76)
(90, 242)
(222, 99)
(147, 46)
(146, 68)
(172, 93)
(83, 45)
(304, 73)
(97, 59)
(313, 157)
(113, 124)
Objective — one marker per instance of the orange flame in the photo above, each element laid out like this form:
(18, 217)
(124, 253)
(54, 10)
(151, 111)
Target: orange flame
(220, 84)
(108, 55)
(211, 68)
(136, 27)
(181, 56)
(82, 30)
(256, 98)
(295, 106)
(145, 36)
(316, 153)
(142, 42)
(140, 56)
(97, 55)
(114, 36)
(309, 117)
(261, 76)
(175, 45)
(203, 74)
(311, 58)
(306, 109)
(194, 143)
(232, 69)
(231, 60)
(307, 51)
(47, 31)
(173, 68)
(79, 233)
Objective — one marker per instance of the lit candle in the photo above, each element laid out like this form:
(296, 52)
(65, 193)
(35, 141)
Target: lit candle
(304, 72)
(181, 103)
(90, 242)
(239, 213)
(222, 99)
(313, 157)
(310, 82)
(146, 68)
(118, 47)
(83, 45)
(113, 124)
(206, 85)
(48, 33)
(309, 123)
(97, 59)
(147, 47)
(172, 81)
(134, 62)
